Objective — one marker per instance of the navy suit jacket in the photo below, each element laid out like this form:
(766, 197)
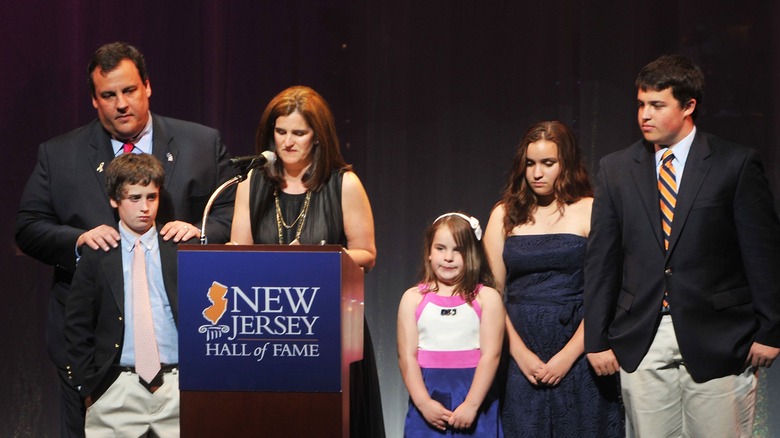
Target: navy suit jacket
(94, 314)
(66, 196)
(722, 269)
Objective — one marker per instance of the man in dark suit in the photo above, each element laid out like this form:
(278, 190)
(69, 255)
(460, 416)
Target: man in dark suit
(682, 276)
(65, 206)
(104, 316)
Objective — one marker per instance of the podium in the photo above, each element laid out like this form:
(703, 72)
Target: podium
(266, 337)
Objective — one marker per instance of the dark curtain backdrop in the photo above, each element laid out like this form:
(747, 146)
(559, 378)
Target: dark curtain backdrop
(430, 99)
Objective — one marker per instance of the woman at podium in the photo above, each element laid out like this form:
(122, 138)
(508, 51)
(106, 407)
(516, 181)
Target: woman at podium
(311, 196)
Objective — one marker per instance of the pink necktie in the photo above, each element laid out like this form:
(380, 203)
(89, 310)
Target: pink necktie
(128, 148)
(147, 358)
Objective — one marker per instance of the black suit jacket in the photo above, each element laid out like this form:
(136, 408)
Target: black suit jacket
(722, 269)
(66, 196)
(94, 314)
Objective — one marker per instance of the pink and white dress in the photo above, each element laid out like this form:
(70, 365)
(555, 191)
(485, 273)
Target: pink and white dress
(448, 353)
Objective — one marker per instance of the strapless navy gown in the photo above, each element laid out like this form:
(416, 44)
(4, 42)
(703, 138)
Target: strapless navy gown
(543, 298)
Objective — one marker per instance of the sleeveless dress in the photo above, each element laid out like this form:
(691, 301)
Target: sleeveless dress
(543, 300)
(324, 225)
(448, 354)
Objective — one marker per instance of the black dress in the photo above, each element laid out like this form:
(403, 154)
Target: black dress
(323, 224)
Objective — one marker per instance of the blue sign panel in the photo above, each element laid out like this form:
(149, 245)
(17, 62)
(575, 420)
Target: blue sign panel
(259, 321)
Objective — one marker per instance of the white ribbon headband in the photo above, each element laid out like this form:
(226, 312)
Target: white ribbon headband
(474, 222)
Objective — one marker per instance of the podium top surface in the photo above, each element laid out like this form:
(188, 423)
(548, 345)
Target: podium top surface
(269, 248)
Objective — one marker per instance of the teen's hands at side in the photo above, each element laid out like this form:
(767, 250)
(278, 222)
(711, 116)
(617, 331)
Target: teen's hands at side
(604, 363)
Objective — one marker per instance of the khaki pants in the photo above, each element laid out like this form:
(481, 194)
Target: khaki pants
(662, 400)
(127, 409)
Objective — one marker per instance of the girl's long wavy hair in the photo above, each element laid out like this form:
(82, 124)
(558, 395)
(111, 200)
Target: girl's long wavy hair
(572, 184)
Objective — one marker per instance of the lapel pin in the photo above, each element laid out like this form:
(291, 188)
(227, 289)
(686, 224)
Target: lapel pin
(100, 166)
(170, 156)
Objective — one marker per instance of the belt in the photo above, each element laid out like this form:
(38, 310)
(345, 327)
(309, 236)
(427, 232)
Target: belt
(164, 368)
(157, 382)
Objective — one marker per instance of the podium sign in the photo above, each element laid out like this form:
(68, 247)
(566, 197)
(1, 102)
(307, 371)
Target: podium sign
(262, 316)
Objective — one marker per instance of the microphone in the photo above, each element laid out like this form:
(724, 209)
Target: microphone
(249, 162)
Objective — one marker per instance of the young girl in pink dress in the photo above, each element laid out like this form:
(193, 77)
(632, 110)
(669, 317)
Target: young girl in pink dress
(450, 331)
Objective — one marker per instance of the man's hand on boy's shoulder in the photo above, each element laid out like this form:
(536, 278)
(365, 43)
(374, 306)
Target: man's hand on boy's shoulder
(101, 237)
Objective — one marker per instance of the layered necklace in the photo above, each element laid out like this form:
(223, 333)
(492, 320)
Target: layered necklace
(300, 220)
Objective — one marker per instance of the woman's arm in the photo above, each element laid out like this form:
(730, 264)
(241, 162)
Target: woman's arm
(358, 221)
(241, 229)
(494, 246)
(528, 362)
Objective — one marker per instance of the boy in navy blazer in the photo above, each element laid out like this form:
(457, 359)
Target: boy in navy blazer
(101, 320)
(682, 274)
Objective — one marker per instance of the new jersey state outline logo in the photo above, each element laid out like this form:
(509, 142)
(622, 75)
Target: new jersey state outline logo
(213, 313)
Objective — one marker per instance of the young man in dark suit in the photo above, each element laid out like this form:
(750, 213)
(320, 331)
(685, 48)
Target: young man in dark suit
(115, 359)
(65, 208)
(682, 276)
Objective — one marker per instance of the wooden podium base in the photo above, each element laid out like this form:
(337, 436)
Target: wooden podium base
(254, 414)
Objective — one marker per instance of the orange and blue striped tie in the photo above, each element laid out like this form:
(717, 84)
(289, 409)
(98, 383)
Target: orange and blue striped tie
(667, 186)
